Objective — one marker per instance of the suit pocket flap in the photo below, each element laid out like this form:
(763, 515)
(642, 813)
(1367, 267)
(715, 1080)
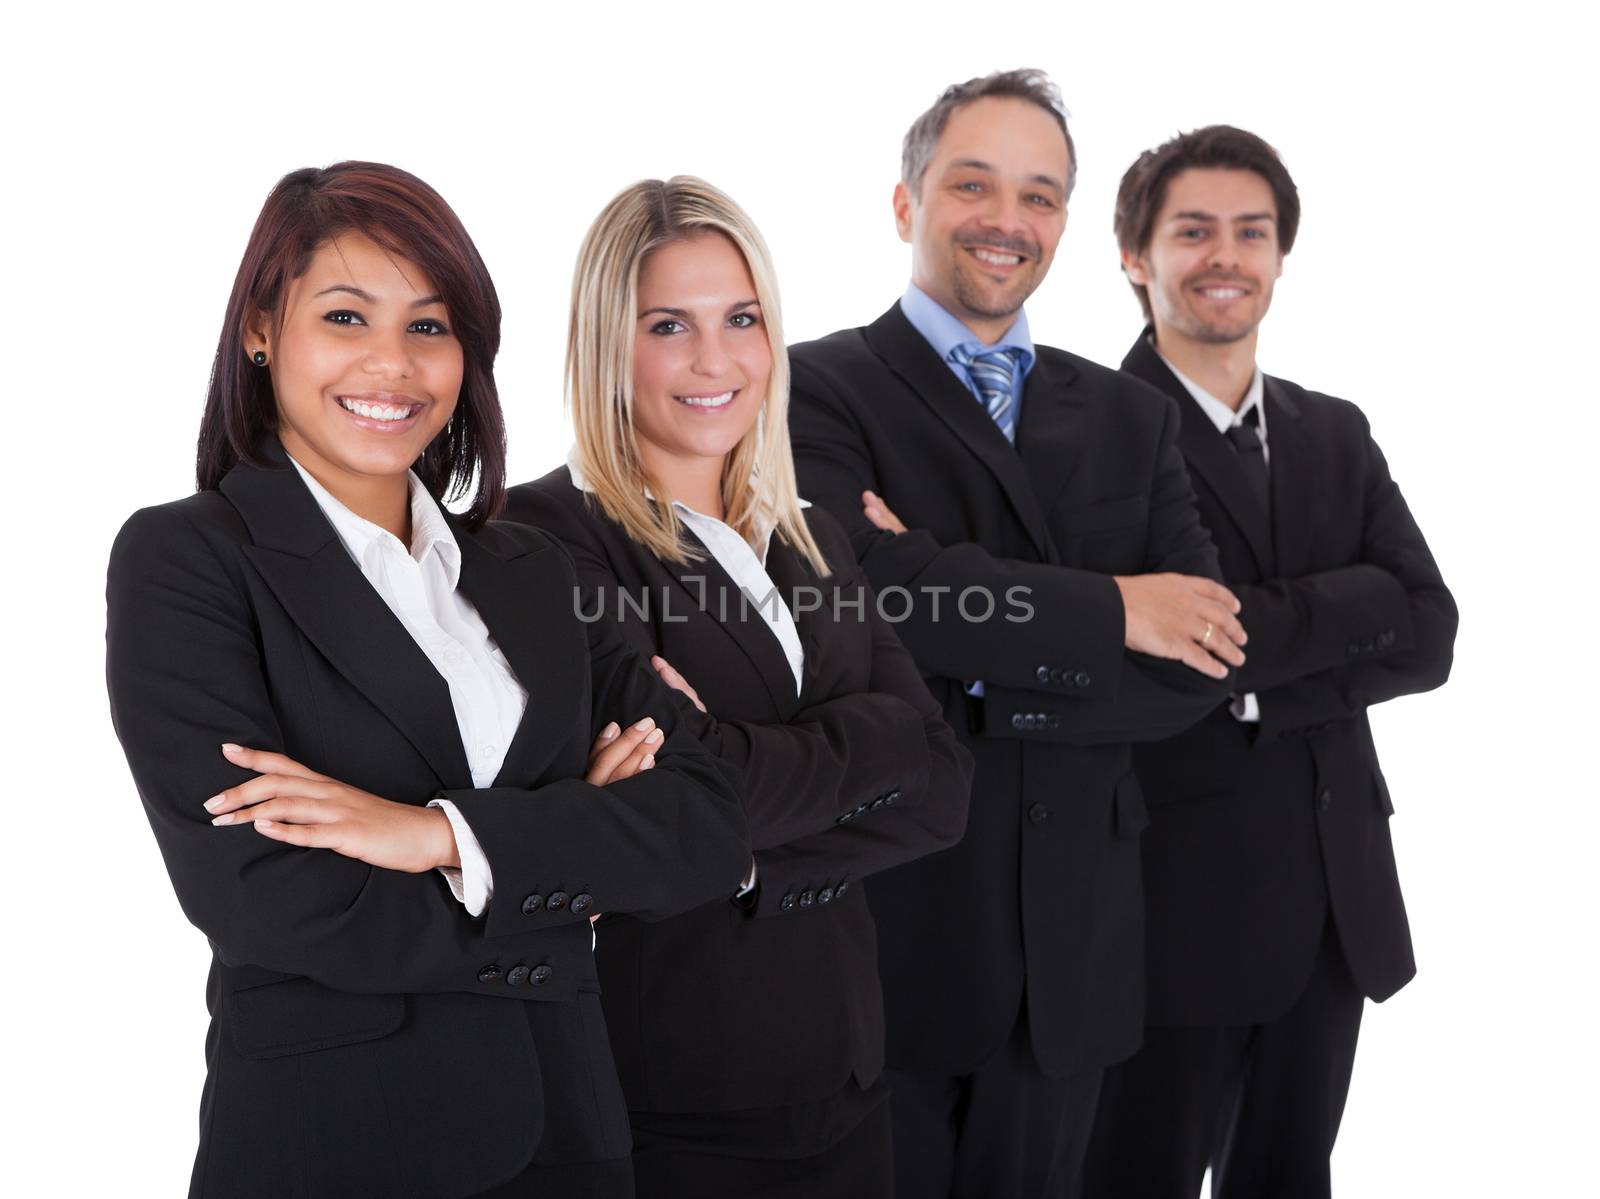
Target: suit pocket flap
(1132, 819)
(298, 1016)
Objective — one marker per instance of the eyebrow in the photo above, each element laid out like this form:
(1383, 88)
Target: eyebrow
(1195, 215)
(684, 312)
(368, 297)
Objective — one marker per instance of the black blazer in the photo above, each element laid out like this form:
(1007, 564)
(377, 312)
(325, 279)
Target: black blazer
(367, 1036)
(722, 1009)
(1043, 894)
(1257, 830)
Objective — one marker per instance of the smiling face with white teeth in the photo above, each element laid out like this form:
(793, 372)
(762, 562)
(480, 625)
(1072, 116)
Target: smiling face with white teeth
(365, 370)
(1213, 257)
(989, 211)
(701, 364)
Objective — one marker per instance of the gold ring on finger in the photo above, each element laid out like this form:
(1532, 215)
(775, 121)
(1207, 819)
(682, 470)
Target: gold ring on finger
(1207, 636)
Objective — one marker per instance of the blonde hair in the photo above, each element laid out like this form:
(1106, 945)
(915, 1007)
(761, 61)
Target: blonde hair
(758, 480)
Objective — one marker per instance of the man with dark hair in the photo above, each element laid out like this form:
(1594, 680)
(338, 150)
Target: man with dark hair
(1025, 515)
(1273, 905)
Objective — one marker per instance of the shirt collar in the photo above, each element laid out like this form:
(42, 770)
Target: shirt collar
(765, 523)
(364, 540)
(944, 332)
(1220, 415)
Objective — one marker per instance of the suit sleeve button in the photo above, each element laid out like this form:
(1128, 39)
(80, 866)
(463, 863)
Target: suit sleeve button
(581, 903)
(1042, 674)
(825, 895)
(1038, 813)
(846, 817)
(807, 898)
(532, 905)
(1082, 678)
(892, 796)
(489, 973)
(556, 902)
(1325, 798)
(1016, 720)
(786, 902)
(517, 975)
(877, 803)
(541, 975)
(838, 892)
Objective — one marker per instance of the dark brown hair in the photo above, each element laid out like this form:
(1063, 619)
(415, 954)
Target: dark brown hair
(1216, 147)
(410, 220)
(1025, 83)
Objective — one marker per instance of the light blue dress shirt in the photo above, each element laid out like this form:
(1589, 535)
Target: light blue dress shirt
(945, 332)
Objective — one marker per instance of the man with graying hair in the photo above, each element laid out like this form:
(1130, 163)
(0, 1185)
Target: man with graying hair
(975, 469)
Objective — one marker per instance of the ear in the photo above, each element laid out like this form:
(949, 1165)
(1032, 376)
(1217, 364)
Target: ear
(1279, 274)
(1137, 272)
(258, 334)
(902, 211)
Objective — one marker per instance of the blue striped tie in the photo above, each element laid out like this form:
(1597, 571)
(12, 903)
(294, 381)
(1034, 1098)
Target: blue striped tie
(994, 374)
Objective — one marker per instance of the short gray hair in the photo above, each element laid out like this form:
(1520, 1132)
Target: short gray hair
(1026, 83)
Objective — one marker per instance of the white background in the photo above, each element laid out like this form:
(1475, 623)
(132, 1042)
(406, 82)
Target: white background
(1443, 277)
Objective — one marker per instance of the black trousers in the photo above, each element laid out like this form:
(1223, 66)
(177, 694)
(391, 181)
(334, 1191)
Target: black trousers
(589, 1180)
(1260, 1104)
(858, 1166)
(1005, 1131)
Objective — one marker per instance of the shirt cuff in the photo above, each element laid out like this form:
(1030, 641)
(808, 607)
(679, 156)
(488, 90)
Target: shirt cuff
(473, 883)
(1245, 708)
(749, 883)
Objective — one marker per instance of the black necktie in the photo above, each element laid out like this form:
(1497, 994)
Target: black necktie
(1246, 443)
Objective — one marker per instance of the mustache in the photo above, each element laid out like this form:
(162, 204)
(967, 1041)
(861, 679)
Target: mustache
(994, 241)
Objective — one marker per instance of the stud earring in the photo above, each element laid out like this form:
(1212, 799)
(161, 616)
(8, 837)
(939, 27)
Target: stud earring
(259, 358)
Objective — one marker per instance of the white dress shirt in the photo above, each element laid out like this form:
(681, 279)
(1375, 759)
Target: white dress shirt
(1244, 707)
(419, 585)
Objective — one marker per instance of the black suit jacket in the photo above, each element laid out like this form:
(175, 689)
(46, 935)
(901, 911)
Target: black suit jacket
(1256, 830)
(1043, 894)
(721, 1008)
(368, 1037)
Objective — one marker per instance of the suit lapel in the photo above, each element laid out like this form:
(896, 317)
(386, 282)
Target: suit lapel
(306, 566)
(1291, 453)
(1048, 437)
(908, 354)
(1209, 455)
(706, 583)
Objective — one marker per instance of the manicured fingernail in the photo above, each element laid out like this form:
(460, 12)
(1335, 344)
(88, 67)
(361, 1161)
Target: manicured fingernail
(610, 731)
(213, 803)
(225, 818)
(263, 824)
(228, 747)
(649, 761)
(654, 737)
(646, 723)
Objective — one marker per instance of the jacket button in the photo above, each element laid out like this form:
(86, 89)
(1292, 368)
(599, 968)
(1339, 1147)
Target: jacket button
(1016, 720)
(517, 975)
(489, 973)
(825, 895)
(807, 898)
(1325, 798)
(1038, 813)
(557, 901)
(581, 903)
(532, 904)
(838, 892)
(541, 975)
(786, 903)
(1082, 678)
(1042, 674)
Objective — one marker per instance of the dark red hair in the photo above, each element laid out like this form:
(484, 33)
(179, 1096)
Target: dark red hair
(409, 219)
